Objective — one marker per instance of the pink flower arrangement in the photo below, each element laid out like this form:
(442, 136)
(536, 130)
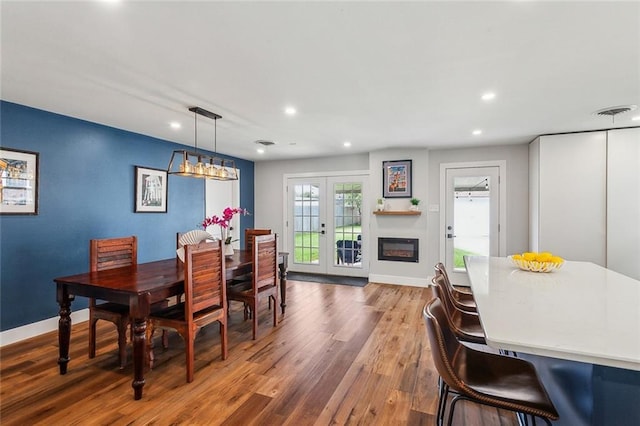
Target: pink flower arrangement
(224, 221)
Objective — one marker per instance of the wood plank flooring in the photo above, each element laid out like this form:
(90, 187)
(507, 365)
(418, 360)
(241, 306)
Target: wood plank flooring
(340, 355)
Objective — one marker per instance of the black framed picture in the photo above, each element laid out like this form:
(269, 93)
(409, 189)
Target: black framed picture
(396, 179)
(151, 190)
(18, 181)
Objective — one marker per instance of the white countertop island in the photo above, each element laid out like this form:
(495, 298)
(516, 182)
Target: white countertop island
(580, 312)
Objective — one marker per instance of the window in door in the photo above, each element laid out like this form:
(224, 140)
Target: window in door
(347, 221)
(471, 216)
(306, 223)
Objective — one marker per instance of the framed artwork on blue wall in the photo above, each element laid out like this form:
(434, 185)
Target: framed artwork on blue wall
(18, 181)
(396, 179)
(151, 190)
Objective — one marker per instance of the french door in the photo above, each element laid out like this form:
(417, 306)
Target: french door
(327, 232)
(472, 216)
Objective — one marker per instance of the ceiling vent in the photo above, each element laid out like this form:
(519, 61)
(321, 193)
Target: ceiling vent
(265, 143)
(613, 111)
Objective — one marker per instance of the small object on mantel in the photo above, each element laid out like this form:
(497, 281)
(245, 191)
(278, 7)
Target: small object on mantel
(398, 213)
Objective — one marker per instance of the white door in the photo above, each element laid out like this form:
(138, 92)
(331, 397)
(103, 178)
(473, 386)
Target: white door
(471, 217)
(326, 230)
(218, 196)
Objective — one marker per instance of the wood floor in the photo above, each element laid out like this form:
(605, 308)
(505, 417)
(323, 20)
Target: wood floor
(340, 355)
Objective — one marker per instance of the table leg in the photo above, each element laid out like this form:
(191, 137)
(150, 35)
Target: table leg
(64, 327)
(139, 350)
(283, 286)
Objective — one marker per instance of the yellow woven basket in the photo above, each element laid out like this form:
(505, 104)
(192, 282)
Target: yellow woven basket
(535, 266)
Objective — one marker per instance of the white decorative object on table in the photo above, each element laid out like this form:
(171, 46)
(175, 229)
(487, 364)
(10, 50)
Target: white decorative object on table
(195, 236)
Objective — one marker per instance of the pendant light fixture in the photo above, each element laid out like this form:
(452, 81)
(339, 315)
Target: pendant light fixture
(199, 165)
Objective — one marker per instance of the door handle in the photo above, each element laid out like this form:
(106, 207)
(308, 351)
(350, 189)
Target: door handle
(450, 236)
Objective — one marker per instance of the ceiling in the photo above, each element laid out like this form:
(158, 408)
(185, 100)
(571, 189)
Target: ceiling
(377, 74)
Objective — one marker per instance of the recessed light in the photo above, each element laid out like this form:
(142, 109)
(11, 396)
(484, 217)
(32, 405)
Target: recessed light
(636, 118)
(260, 150)
(347, 144)
(488, 96)
(477, 132)
(175, 125)
(290, 110)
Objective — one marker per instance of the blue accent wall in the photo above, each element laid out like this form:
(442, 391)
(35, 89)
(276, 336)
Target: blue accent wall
(86, 190)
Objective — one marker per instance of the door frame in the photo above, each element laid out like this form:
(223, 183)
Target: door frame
(213, 205)
(502, 208)
(364, 174)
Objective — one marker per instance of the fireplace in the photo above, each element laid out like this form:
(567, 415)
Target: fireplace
(398, 249)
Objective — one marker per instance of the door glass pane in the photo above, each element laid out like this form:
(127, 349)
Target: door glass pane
(306, 223)
(347, 219)
(471, 218)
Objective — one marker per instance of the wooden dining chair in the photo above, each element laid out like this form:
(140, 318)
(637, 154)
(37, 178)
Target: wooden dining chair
(205, 301)
(112, 253)
(250, 233)
(462, 299)
(264, 280)
(485, 378)
(104, 254)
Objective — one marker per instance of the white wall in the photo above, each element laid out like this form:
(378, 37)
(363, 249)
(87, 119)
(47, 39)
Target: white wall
(269, 182)
(426, 187)
(399, 226)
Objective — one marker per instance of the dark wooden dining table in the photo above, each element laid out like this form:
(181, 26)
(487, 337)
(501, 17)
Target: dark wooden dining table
(139, 286)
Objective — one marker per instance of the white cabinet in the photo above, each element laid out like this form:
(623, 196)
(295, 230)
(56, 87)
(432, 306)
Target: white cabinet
(584, 197)
(567, 190)
(623, 201)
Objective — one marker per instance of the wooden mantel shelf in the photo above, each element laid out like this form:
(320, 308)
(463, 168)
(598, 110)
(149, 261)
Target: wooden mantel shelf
(397, 212)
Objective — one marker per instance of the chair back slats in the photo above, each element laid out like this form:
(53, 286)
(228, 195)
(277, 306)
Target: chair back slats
(204, 281)
(250, 234)
(113, 253)
(266, 265)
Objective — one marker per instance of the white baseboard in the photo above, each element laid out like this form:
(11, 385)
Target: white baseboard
(408, 281)
(17, 334)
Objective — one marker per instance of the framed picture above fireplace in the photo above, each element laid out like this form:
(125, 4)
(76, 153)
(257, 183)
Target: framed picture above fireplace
(396, 179)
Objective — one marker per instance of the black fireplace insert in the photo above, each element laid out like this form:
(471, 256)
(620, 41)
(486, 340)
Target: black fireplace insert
(398, 249)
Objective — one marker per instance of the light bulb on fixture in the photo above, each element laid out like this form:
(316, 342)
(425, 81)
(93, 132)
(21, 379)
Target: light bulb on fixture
(206, 166)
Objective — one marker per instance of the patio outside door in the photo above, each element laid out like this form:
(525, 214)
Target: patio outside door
(472, 217)
(326, 230)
